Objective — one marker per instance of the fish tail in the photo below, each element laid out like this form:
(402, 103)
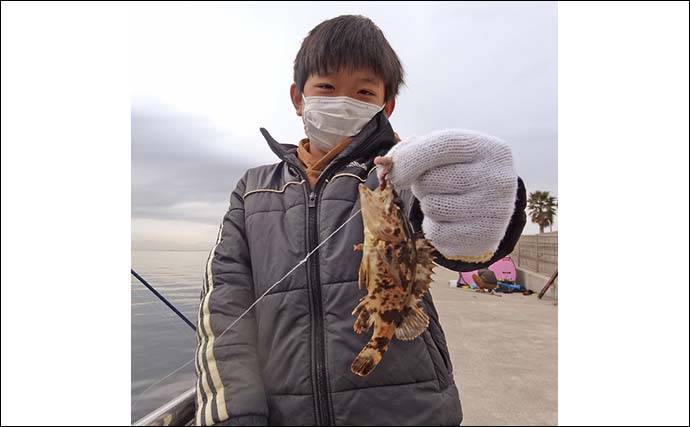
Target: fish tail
(371, 354)
(366, 361)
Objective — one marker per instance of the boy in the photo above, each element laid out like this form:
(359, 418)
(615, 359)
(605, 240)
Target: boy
(287, 362)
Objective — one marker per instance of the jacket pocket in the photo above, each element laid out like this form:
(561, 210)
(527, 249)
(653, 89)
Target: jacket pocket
(437, 361)
(438, 342)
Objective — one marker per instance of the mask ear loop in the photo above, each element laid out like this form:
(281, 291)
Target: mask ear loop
(304, 112)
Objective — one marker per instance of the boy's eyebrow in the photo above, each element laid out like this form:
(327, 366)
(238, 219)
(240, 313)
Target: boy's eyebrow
(368, 80)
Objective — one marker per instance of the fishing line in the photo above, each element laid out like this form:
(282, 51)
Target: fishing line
(165, 314)
(309, 254)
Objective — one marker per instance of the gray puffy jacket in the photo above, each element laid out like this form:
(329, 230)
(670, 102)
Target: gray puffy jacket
(288, 361)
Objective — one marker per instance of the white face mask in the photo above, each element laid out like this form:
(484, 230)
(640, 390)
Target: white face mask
(330, 119)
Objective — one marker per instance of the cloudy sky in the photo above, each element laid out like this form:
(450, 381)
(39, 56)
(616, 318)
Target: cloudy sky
(205, 77)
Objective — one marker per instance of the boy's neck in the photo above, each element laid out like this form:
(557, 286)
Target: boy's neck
(316, 153)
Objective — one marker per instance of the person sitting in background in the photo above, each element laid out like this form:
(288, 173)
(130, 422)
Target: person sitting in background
(485, 279)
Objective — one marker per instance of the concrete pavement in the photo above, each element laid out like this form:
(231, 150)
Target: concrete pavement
(504, 352)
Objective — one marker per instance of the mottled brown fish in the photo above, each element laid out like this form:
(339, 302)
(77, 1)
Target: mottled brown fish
(396, 266)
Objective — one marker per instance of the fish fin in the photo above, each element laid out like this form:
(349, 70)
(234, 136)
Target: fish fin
(414, 321)
(425, 251)
(366, 361)
(424, 268)
(362, 273)
(364, 319)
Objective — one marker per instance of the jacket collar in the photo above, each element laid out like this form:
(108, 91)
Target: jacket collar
(376, 136)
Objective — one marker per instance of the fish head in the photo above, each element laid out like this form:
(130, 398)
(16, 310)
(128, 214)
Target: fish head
(380, 213)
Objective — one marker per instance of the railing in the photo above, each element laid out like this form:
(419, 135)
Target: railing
(537, 253)
(177, 412)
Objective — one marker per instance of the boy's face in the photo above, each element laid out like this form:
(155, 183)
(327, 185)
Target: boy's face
(362, 85)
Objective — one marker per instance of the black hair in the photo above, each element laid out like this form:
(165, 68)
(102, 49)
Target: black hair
(348, 42)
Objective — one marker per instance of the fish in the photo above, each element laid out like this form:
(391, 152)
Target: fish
(396, 267)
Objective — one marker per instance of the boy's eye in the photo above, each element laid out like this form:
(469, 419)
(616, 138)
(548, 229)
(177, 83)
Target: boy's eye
(366, 92)
(325, 86)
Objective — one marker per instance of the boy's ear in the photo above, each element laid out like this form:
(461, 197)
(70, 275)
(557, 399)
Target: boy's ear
(296, 97)
(389, 107)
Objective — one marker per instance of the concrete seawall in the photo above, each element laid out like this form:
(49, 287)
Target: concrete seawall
(536, 282)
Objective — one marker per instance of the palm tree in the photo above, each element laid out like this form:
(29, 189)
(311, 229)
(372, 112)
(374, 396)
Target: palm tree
(542, 209)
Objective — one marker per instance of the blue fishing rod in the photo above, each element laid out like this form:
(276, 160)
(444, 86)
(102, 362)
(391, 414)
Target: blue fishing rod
(162, 298)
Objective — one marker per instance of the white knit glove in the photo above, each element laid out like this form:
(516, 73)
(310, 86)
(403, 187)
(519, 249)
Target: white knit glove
(466, 186)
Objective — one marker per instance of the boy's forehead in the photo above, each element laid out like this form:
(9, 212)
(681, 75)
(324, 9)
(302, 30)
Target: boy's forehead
(361, 74)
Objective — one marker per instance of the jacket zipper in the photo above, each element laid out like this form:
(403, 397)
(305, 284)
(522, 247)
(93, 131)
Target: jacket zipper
(322, 390)
(321, 397)
(322, 382)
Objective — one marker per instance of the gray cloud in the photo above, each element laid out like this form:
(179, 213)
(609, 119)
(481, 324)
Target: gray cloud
(176, 171)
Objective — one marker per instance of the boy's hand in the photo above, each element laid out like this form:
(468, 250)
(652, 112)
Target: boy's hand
(466, 186)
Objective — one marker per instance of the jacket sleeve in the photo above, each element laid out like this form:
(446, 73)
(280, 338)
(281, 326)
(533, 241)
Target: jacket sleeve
(229, 387)
(510, 238)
